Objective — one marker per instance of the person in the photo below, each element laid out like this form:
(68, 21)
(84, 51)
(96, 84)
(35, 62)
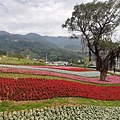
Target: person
(114, 69)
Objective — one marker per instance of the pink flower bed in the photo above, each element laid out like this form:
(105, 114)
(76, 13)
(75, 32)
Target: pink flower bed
(69, 68)
(111, 79)
(37, 89)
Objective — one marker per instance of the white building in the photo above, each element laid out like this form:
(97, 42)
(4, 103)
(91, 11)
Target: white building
(59, 63)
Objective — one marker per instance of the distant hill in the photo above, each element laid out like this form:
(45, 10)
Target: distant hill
(65, 42)
(60, 41)
(4, 33)
(35, 45)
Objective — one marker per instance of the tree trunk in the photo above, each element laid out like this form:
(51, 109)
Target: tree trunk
(98, 64)
(103, 75)
(102, 66)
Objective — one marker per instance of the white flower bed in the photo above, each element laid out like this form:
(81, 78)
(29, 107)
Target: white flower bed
(64, 113)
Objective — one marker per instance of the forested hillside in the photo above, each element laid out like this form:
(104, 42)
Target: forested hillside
(37, 46)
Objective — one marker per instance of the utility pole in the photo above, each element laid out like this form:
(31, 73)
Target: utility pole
(46, 58)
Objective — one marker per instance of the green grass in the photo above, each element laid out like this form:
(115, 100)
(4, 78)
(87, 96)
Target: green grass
(71, 101)
(16, 61)
(12, 106)
(16, 76)
(98, 102)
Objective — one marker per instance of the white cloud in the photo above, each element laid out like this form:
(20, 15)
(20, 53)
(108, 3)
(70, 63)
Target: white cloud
(44, 17)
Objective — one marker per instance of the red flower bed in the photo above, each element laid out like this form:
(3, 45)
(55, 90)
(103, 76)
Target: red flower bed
(111, 79)
(38, 89)
(69, 68)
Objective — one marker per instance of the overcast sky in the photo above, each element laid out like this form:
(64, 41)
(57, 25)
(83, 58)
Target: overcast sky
(44, 17)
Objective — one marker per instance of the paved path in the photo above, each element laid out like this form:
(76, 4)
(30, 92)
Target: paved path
(86, 74)
(117, 73)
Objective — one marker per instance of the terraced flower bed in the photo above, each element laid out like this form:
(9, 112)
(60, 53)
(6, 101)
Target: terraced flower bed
(64, 113)
(26, 89)
(38, 89)
(111, 79)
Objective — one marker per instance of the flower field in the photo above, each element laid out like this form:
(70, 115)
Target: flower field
(64, 113)
(38, 89)
(24, 89)
(111, 79)
(69, 68)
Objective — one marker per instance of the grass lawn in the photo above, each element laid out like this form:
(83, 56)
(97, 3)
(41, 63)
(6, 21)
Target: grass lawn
(16, 61)
(71, 101)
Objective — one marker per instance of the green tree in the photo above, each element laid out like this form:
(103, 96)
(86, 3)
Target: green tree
(19, 56)
(97, 21)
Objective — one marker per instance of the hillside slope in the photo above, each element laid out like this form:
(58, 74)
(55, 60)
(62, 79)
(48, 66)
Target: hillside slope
(34, 45)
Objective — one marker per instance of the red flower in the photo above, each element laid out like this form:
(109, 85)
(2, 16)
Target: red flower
(38, 89)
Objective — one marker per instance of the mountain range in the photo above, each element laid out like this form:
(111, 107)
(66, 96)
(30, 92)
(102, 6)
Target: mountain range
(35, 45)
